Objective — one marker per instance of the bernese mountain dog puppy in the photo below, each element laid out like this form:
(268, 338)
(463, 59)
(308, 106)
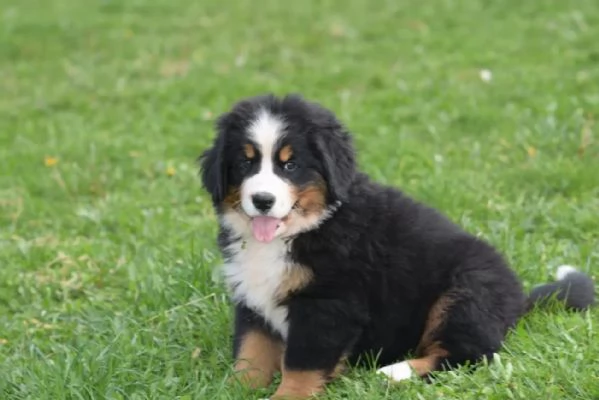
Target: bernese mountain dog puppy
(326, 267)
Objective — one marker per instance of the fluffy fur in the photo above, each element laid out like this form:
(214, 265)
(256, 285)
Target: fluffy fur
(326, 266)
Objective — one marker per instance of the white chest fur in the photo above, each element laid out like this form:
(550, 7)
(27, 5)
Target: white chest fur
(254, 274)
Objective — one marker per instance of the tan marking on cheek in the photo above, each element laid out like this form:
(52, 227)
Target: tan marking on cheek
(258, 359)
(233, 198)
(312, 198)
(285, 153)
(298, 385)
(296, 279)
(249, 151)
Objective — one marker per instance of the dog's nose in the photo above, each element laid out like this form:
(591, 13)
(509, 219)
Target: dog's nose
(263, 201)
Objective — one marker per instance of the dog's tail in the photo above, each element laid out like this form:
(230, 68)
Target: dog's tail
(575, 289)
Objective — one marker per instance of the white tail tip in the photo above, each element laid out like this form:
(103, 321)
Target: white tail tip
(563, 271)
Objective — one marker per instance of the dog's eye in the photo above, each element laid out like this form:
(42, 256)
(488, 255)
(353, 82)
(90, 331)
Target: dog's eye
(290, 166)
(245, 165)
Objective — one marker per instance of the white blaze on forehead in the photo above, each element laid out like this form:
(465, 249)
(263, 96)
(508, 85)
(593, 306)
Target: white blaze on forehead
(265, 131)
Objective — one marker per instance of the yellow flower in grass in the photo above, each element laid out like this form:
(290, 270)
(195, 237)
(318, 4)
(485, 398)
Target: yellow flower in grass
(170, 170)
(50, 161)
(532, 152)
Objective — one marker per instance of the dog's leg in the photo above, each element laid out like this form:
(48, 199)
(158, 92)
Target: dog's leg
(321, 334)
(465, 325)
(300, 384)
(258, 359)
(256, 351)
(416, 367)
(303, 384)
(430, 352)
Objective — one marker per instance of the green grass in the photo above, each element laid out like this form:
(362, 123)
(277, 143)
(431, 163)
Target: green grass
(107, 258)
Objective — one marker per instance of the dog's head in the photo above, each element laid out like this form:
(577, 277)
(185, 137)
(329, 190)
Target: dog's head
(277, 166)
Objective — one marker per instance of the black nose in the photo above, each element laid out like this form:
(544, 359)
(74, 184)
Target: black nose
(263, 201)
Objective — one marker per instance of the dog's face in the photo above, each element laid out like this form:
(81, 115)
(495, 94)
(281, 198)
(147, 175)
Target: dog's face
(277, 166)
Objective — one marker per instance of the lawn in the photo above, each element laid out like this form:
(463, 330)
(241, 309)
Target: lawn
(108, 263)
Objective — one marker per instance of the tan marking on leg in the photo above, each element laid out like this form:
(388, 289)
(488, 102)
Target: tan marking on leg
(300, 385)
(258, 359)
(296, 278)
(305, 384)
(285, 153)
(430, 361)
(249, 151)
(429, 351)
(436, 318)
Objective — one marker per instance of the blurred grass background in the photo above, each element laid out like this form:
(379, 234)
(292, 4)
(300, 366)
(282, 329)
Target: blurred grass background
(107, 252)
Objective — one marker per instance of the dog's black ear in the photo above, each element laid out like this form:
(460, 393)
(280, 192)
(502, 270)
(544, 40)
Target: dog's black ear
(213, 166)
(337, 151)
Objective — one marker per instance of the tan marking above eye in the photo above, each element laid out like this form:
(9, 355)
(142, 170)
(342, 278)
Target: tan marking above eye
(249, 150)
(285, 153)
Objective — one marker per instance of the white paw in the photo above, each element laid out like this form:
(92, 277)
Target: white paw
(397, 372)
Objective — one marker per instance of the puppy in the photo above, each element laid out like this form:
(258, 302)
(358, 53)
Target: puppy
(326, 266)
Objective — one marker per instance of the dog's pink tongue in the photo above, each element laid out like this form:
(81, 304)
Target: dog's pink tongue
(264, 228)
